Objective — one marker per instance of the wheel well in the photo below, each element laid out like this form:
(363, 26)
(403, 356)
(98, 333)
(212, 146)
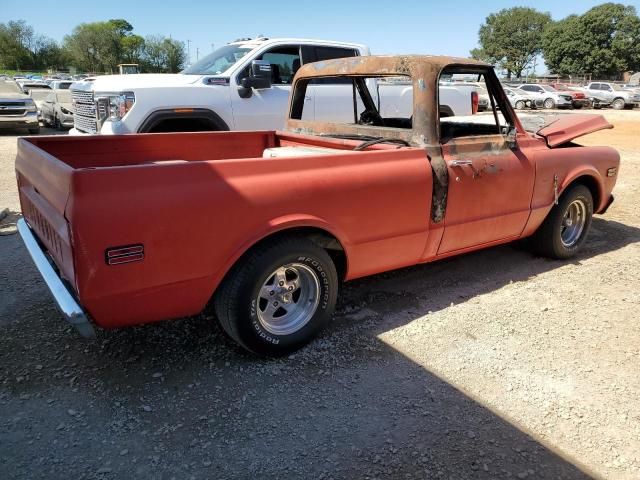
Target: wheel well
(592, 184)
(183, 120)
(319, 236)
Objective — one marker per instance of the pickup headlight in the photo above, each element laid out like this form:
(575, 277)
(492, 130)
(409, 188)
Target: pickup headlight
(30, 104)
(114, 107)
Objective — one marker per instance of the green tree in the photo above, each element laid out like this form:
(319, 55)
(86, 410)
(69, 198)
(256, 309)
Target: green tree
(132, 49)
(163, 54)
(512, 38)
(176, 55)
(16, 38)
(101, 46)
(605, 41)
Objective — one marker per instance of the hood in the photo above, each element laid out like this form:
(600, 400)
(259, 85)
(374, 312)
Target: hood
(13, 96)
(119, 83)
(570, 127)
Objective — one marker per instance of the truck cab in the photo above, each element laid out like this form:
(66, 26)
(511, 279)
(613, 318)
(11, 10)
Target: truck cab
(217, 93)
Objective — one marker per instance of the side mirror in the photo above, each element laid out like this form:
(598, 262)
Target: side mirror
(510, 138)
(260, 78)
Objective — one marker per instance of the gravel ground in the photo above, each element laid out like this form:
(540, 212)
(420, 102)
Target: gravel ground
(492, 365)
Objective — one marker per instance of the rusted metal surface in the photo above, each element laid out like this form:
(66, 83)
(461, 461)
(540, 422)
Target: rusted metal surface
(424, 72)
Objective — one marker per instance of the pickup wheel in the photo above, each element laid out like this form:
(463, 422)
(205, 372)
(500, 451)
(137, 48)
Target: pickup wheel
(278, 297)
(618, 104)
(565, 229)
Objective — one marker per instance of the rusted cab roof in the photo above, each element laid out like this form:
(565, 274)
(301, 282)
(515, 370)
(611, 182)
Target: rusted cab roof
(383, 65)
(424, 71)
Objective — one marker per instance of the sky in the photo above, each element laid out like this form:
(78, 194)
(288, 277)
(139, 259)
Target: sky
(387, 27)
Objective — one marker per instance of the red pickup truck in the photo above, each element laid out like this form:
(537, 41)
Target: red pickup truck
(265, 225)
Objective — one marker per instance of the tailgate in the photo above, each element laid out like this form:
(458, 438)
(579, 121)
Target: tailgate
(43, 185)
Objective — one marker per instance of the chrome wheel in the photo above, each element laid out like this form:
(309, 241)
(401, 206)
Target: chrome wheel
(573, 223)
(288, 299)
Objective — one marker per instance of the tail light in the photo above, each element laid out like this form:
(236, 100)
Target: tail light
(474, 102)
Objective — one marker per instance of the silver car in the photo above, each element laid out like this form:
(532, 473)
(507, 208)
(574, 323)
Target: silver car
(56, 110)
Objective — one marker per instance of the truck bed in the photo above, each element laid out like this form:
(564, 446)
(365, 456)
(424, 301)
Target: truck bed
(187, 203)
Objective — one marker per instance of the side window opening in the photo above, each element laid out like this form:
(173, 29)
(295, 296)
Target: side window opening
(380, 101)
(474, 109)
(285, 62)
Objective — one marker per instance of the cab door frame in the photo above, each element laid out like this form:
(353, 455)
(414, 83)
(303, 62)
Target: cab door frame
(490, 182)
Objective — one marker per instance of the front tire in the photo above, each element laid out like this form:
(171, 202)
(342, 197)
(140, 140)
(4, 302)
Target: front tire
(565, 229)
(618, 104)
(549, 104)
(277, 298)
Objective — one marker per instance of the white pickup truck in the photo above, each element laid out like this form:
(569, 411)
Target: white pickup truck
(243, 85)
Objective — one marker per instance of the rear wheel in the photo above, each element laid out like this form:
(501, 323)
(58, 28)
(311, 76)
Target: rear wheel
(549, 103)
(565, 229)
(278, 297)
(618, 103)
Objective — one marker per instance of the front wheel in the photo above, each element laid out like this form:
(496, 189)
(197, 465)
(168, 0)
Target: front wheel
(565, 229)
(618, 103)
(549, 103)
(278, 297)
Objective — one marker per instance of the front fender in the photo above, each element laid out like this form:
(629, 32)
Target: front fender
(593, 177)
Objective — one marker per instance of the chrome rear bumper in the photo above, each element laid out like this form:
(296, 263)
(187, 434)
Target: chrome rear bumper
(70, 309)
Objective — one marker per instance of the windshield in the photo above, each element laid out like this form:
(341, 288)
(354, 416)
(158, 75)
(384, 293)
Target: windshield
(219, 61)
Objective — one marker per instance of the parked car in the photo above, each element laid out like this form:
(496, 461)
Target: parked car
(579, 99)
(38, 95)
(28, 85)
(57, 110)
(614, 94)
(304, 208)
(60, 84)
(17, 110)
(547, 96)
(519, 99)
(221, 91)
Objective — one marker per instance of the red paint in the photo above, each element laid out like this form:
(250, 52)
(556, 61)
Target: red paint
(197, 201)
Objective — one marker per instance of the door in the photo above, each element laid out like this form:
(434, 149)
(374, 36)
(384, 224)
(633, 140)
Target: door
(266, 109)
(490, 181)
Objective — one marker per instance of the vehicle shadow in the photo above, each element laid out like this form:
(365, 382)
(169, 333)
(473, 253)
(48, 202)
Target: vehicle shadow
(184, 400)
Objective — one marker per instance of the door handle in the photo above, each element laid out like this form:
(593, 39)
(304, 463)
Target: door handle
(460, 163)
(465, 163)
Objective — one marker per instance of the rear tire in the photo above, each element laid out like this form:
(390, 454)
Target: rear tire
(520, 105)
(278, 297)
(565, 229)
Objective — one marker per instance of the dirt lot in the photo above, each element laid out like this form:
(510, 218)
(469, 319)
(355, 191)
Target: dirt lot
(493, 365)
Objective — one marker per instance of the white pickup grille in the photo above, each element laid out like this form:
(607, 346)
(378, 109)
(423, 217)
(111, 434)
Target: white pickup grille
(84, 118)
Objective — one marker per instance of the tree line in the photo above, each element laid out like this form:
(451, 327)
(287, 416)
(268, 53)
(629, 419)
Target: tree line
(91, 47)
(603, 42)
